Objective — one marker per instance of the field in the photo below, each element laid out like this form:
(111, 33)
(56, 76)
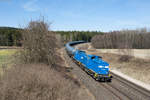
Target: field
(6, 58)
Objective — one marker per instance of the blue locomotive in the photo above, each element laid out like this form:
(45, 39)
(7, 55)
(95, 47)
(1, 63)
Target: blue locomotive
(92, 64)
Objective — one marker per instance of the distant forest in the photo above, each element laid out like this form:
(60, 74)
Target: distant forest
(78, 35)
(124, 39)
(12, 36)
(138, 39)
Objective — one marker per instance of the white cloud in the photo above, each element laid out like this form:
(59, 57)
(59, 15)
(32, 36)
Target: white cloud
(31, 6)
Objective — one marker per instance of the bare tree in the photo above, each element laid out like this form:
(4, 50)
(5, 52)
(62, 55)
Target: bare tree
(39, 43)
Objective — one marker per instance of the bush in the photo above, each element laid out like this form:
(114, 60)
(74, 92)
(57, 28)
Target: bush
(125, 58)
(39, 43)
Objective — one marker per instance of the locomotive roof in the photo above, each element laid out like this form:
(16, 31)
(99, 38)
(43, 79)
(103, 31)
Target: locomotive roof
(97, 59)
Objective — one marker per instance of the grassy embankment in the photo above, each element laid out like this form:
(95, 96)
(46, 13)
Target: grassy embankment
(6, 58)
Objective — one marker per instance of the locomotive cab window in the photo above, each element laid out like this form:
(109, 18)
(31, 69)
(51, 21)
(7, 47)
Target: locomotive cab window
(93, 57)
(82, 51)
(99, 57)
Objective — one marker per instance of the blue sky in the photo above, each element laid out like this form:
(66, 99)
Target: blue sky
(100, 15)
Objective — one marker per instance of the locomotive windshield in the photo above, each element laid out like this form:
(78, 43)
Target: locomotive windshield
(93, 57)
(81, 51)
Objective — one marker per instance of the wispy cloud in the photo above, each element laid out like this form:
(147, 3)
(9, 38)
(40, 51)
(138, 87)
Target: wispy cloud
(31, 6)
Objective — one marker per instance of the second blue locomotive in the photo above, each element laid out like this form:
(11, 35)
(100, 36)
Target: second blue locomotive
(92, 64)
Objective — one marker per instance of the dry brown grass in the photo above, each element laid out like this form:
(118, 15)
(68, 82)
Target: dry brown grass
(36, 82)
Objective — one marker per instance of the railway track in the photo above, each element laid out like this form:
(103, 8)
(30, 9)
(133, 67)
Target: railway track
(129, 89)
(118, 89)
(108, 87)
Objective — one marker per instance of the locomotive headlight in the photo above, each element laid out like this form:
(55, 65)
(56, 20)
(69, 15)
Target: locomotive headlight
(100, 66)
(106, 66)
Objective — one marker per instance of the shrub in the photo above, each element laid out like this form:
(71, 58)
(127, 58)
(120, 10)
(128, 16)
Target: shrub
(125, 58)
(39, 43)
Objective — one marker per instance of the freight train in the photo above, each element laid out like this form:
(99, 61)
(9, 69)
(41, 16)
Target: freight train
(92, 64)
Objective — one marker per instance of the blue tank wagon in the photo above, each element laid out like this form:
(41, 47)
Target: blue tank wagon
(92, 64)
(70, 50)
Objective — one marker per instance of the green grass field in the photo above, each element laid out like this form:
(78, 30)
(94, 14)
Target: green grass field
(6, 57)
